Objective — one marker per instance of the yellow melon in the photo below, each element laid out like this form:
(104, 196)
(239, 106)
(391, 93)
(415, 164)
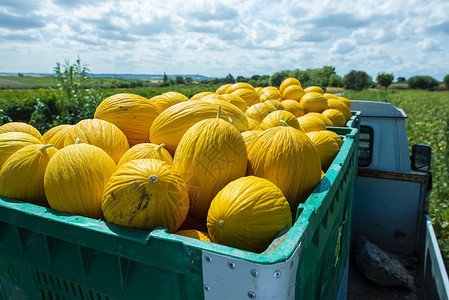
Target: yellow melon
(327, 147)
(211, 154)
(345, 101)
(164, 101)
(275, 103)
(195, 234)
(76, 177)
(132, 114)
(56, 135)
(329, 96)
(270, 94)
(10, 142)
(239, 85)
(336, 116)
(145, 194)
(247, 214)
(335, 136)
(222, 89)
(253, 124)
(258, 90)
(259, 111)
(323, 118)
(315, 89)
(311, 123)
(21, 127)
(288, 158)
(341, 106)
(274, 119)
(314, 102)
(172, 123)
(293, 92)
(99, 133)
(22, 174)
(212, 97)
(248, 95)
(289, 82)
(236, 100)
(250, 136)
(200, 95)
(146, 150)
(294, 107)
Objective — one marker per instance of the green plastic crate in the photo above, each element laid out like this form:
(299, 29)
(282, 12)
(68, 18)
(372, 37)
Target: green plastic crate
(46, 254)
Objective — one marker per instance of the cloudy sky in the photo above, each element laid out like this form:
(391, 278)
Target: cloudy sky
(215, 38)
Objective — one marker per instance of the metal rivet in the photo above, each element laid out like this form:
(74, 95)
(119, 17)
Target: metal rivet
(231, 265)
(208, 258)
(251, 295)
(254, 273)
(206, 288)
(153, 178)
(277, 274)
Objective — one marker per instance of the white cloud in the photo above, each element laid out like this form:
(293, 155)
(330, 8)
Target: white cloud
(343, 46)
(429, 45)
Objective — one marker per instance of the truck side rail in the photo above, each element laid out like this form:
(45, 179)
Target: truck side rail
(435, 278)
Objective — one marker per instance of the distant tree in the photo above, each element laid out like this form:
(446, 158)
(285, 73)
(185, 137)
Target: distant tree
(446, 81)
(165, 79)
(229, 79)
(241, 79)
(179, 80)
(171, 81)
(384, 79)
(335, 81)
(422, 82)
(20, 75)
(263, 81)
(400, 79)
(188, 80)
(356, 80)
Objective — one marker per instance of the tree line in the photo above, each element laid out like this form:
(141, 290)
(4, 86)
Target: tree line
(327, 77)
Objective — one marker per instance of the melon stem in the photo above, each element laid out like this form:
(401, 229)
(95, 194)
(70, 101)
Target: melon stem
(284, 123)
(219, 112)
(44, 147)
(158, 148)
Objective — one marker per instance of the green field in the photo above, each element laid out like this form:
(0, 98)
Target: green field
(427, 123)
(48, 82)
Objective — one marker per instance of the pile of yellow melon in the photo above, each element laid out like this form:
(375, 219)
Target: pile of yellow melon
(229, 167)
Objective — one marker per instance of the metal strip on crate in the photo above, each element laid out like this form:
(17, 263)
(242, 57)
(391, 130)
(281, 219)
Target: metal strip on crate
(231, 278)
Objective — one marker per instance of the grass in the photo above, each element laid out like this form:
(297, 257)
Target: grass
(37, 82)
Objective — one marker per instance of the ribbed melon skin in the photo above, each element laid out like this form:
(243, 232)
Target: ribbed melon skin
(248, 213)
(211, 154)
(146, 150)
(21, 127)
(99, 133)
(172, 123)
(10, 142)
(75, 179)
(22, 175)
(286, 157)
(326, 145)
(133, 114)
(145, 194)
(56, 135)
